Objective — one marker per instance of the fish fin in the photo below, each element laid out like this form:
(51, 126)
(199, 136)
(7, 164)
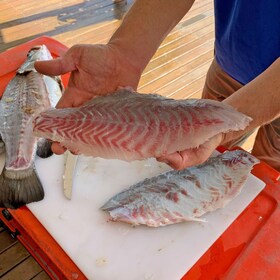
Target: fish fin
(17, 192)
(44, 148)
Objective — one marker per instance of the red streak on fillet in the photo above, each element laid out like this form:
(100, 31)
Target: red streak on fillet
(134, 213)
(178, 214)
(142, 212)
(184, 192)
(195, 211)
(172, 196)
(228, 180)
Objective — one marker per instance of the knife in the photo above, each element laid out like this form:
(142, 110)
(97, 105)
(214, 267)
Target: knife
(70, 165)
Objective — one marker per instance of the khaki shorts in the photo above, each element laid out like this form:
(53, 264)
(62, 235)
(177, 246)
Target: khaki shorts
(219, 86)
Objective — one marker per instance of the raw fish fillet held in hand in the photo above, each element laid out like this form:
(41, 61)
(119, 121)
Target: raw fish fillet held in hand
(178, 196)
(132, 126)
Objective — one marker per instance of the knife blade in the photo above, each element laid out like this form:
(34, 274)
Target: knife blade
(70, 165)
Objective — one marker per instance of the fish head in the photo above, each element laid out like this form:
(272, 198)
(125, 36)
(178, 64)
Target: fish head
(36, 53)
(39, 52)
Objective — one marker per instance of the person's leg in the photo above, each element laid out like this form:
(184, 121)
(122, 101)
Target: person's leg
(218, 86)
(267, 144)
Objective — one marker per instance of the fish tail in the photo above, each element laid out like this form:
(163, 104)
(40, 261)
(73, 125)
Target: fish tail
(19, 188)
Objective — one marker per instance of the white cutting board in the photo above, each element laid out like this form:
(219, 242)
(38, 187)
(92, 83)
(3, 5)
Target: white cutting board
(106, 250)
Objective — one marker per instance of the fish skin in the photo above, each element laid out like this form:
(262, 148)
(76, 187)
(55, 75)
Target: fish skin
(131, 126)
(178, 196)
(26, 95)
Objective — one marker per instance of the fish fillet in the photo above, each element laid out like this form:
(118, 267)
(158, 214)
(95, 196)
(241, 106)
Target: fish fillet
(178, 196)
(132, 126)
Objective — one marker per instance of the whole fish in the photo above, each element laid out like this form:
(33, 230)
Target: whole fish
(178, 196)
(132, 126)
(26, 95)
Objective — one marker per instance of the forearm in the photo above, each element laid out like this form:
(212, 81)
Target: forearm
(145, 26)
(259, 99)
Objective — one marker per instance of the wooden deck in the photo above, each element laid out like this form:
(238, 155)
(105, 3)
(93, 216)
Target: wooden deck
(177, 69)
(15, 261)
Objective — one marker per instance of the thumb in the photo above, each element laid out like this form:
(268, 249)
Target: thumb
(56, 66)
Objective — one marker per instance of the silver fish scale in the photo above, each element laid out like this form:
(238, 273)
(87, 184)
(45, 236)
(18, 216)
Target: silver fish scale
(22, 100)
(26, 95)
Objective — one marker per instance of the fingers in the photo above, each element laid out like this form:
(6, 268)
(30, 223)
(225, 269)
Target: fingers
(56, 66)
(174, 160)
(195, 156)
(57, 148)
(184, 159)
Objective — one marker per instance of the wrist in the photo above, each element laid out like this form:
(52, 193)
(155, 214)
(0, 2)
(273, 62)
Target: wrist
(129, 69)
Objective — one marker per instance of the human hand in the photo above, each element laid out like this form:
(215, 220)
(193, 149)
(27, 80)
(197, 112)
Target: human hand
(95, 70)
(195, 156)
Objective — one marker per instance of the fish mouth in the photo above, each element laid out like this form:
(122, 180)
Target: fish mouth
(39, 52)
(34, 49)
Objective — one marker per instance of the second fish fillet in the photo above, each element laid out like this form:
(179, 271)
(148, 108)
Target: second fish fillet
(178, 196)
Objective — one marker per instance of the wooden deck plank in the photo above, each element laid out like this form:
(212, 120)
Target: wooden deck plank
(192, 90)
(30, 28)
(179, 51)
(19, 10)
(26, 270)
(178, 75)
(178, 89)
(187, 78)
(70, 18)
(174, 68)
(11, 257)
(41, 276)
(198, 29)
(176, 60)
(6, 241)
(91, 34)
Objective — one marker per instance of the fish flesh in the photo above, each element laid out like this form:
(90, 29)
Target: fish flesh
(178, 196)
(27, 94)
(131, 126)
